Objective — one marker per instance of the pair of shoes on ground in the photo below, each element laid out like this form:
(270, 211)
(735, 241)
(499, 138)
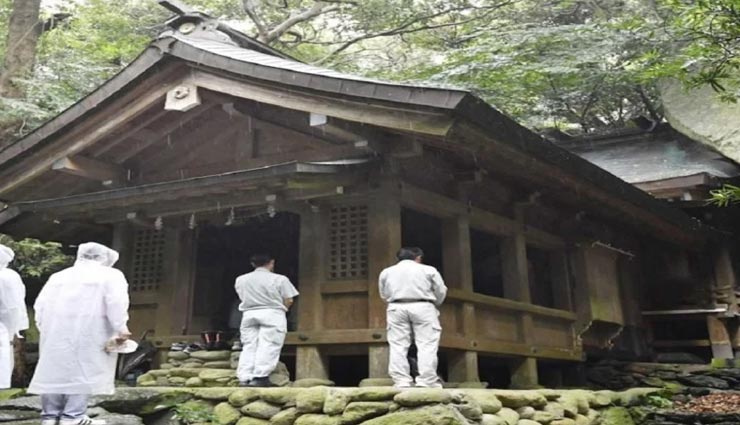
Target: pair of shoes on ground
(258, 382)
(82, 421)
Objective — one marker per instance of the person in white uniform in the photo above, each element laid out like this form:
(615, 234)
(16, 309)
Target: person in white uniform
(413, 292)
(78, 311)
(13, 313)
(265, 299)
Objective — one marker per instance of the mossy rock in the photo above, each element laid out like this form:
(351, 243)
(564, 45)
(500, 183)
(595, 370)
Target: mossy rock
(467, 406)
(194, 382)
(216, 375)
(634, 396)
(282, 396)
(192, 365)
(146, 380)
(375, 394)
(166, 366)
(164, 401)
(243, 396)
(526, 412)
(185, 372)
(616, 416)
(285, 417)
(226, 414)
(159, 372)
(211, 356)
(260, 409)
(422, 396)
(178, 355)
(583, 420)
(140, 401)
(527, 422)
(489, 419)
(359, 411)
(220, 364)
(487, 400)
(428, 415)
(314, 419)
(558, 411)
(311, 400)
(337, 400)
(252, 421)
(510, 416)
(376, 382)
(312, 382)
(11, 393)
(516, 399)
(213, 394)
(564, 421)
(543, 417)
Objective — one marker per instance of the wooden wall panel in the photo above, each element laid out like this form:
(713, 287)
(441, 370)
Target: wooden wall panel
(497, 324)
(450, 316)
(550, 332)
(345, 311)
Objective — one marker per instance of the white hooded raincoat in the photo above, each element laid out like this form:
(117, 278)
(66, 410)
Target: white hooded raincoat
(13, 314)
(77, 312)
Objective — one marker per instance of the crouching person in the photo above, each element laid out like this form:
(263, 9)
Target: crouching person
(78, 311)
(265, 299)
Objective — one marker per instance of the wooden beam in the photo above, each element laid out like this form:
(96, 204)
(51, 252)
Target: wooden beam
(8, 214)
(45, 158)
(90, 168)
(426, 122)
(720, 338)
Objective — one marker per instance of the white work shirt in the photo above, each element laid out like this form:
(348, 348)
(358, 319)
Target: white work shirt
(411, 281)
(262, 289)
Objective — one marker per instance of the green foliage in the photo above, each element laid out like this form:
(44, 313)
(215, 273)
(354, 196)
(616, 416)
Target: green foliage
(36, 260)
(192, 412)
(725, 196)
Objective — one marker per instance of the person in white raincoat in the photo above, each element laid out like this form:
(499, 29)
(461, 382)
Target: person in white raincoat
(78, 311)
(13, 313)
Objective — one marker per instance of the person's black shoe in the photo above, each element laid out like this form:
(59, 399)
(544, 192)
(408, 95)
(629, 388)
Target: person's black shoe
(261, 382)
(245, 383)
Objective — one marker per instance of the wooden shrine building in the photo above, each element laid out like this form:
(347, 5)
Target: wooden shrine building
(211, 146)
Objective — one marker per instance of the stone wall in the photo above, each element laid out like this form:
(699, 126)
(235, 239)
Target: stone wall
(349, 406)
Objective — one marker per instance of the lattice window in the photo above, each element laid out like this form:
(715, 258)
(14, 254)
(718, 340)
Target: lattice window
(148, 260)
(348, 242)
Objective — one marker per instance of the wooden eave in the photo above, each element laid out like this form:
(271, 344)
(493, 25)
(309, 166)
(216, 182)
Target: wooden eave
(445, 115)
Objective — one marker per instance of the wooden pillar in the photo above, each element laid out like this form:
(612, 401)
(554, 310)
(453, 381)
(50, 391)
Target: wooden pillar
(175, 292)
(561, 285)
(123, 234)
(724, 276)
(719, 337)
(516, 287)
(462, 365)
(384, 240)
(310, 361)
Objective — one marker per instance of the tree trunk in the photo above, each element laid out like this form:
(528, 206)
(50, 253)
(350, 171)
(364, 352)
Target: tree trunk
(24, 30)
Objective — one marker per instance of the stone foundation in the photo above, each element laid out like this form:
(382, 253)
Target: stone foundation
(349, 406)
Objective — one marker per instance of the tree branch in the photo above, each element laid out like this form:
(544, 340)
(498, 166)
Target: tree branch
(251, 10)
(318, 8)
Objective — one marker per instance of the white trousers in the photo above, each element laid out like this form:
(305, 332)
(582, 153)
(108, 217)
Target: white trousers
(420, 320)
(63, 406)
(6, 358)
(262, 335)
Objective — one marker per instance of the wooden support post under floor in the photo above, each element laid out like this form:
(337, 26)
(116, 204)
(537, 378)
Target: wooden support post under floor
(719, 337)
(310, 361)
(462, 366)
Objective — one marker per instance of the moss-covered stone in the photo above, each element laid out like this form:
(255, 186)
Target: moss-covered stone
(11, 393)
(159, 372)
(564, 421)
(218, 375)
(192, 365)
(634, 396)
(428, 415)
(516, 399)
(184, 372)
(488, 419)
(337, 400)
(219, 364)
(177, 381)
(467, 406)
(226, 414)
(146, 380)
(213, 394)
(375, 394)
(314, 419)
(311, 400)
(376, 382)
(359, 411)
(583, 420)
(557, 410)
(164, 401)
(194, 382)
(282, 396)
(312, 382)
(211, 356)
(542, 417)
(242, 396)
(509, 415)
(487, 400)
(422, 396)
(526, 412)
(177, 355)
(527, 422)
(252, 421)
(285, 417)
(616, 416)
(260, 409)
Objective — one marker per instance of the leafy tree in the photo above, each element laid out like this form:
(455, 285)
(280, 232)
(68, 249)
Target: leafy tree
(36, 260)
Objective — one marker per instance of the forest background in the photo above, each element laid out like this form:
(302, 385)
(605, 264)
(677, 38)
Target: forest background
(573, 66)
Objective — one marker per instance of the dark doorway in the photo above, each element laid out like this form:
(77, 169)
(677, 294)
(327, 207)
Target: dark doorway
(485, 251)
(223, 254)
(424, 231)
(540, 277)
(348, 371)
